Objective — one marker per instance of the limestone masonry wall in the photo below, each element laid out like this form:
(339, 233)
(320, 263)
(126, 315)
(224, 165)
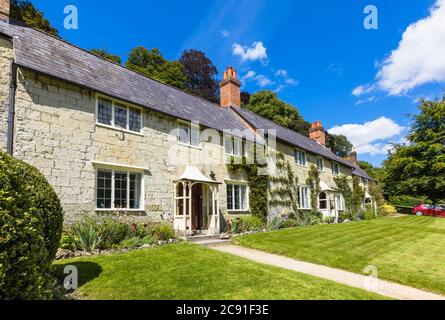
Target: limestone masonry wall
(6, 55)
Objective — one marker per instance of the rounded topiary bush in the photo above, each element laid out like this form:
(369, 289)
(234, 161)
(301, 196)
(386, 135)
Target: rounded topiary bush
(31, 221)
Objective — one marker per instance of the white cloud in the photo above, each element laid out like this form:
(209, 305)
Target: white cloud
(281, 73)
(370, 137)
(419, 58)
(263, 81)
(249, 75)
(291, 82)
(366, 100)
(256, 52)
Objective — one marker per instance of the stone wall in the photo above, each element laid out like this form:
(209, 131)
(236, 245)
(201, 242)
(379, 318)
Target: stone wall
(6, 54)
(56, 132)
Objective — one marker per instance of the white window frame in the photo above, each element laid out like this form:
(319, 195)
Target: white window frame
(241, 184)
(338, 168)
(322, 164)
(365, 182)
(113, 170)
(191, 128)
(326, 200)
(120, 104)
(234, 141)
(339, 205)
(308, 200)
(297, 158)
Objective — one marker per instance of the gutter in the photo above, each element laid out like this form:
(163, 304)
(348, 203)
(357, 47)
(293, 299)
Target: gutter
(11, 108)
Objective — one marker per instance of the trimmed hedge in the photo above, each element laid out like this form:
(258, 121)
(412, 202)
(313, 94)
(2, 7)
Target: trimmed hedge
(31, 221)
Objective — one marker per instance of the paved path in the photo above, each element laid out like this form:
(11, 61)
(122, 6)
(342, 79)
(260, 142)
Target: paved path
(382, 287)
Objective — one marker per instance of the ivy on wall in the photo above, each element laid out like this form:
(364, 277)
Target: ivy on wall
(353, 197)
(313, 182)
(257, 186)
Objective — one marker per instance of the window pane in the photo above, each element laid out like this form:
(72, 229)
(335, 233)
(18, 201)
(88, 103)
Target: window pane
(195, 137)
(120, 190)
(120, 116)
(229, 197)
(135, 190)
(104, 189)
(228, 144)
(237, 195)
(184, 133)
(104, 111)
(244, 197)
(237, 147)
(135, 120)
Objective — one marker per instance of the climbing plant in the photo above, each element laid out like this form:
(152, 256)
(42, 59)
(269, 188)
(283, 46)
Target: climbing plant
(313, 182)
(257, 185)
(353, 196)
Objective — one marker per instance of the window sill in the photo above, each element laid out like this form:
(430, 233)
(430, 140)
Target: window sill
(238, 211)
(119, 210)
(190, 146)
(119, 129)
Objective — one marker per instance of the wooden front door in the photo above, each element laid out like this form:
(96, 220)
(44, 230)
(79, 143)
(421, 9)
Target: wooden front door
(197, 219)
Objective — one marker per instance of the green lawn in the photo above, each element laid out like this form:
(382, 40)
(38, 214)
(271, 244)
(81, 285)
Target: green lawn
(409, 250)
(186, 271)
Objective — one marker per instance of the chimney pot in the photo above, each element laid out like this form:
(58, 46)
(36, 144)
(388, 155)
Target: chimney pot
(230, 89)
(5, 6)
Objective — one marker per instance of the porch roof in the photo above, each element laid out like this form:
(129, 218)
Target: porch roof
(194, 174)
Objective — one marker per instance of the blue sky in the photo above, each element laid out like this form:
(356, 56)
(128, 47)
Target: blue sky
(316, 55)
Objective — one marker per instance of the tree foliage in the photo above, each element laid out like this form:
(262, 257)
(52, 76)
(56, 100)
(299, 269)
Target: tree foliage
(418, 168)
(200, 74)
(338, 144)
(24, 11)
(267, 104)
(105, 54)
(152, 64)
(374, 172)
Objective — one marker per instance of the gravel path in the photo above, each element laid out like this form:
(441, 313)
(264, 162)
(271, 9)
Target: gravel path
(382, 287)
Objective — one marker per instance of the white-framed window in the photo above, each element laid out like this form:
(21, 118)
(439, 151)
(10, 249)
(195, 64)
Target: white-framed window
(320, 163)
(339, 202)
(188, 134)
(304, 197)
(323, 201)
(365, 182)
(119, 190)
(237, 196)
(118, 115)
(233, 146)
(335, 169)
(300, 158)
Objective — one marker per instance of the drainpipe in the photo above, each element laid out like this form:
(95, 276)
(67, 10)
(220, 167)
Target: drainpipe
(11, 110)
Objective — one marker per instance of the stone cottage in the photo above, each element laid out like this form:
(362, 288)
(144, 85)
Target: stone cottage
(111, 140)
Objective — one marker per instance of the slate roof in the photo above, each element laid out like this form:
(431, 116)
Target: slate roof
(290, 136)
(43, 53)
(361, 173)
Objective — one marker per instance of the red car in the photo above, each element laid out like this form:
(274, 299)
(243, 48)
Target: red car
(429, 210)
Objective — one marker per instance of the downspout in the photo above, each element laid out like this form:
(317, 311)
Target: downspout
(11, 109)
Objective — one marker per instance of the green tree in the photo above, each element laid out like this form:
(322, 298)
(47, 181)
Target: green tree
(418, 168)
(266, 104)
(375, 172)
(200, 74)
(338, 144)
(152, 64)
(105, 54)
(23, 10)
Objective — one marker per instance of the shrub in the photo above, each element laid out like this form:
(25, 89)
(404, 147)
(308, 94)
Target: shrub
(275, 224)
(113, 232)
(250, 223)
(86, 233)
(137, 242)
(68, 240)
(408, 201)
(369, 214)
(163, 232)
(30, 228)
(290, 223)
(387, 209)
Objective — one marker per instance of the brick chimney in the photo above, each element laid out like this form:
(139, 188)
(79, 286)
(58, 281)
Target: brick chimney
(352, 157)
(317, 133)
(230, 89)
(4, 10)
